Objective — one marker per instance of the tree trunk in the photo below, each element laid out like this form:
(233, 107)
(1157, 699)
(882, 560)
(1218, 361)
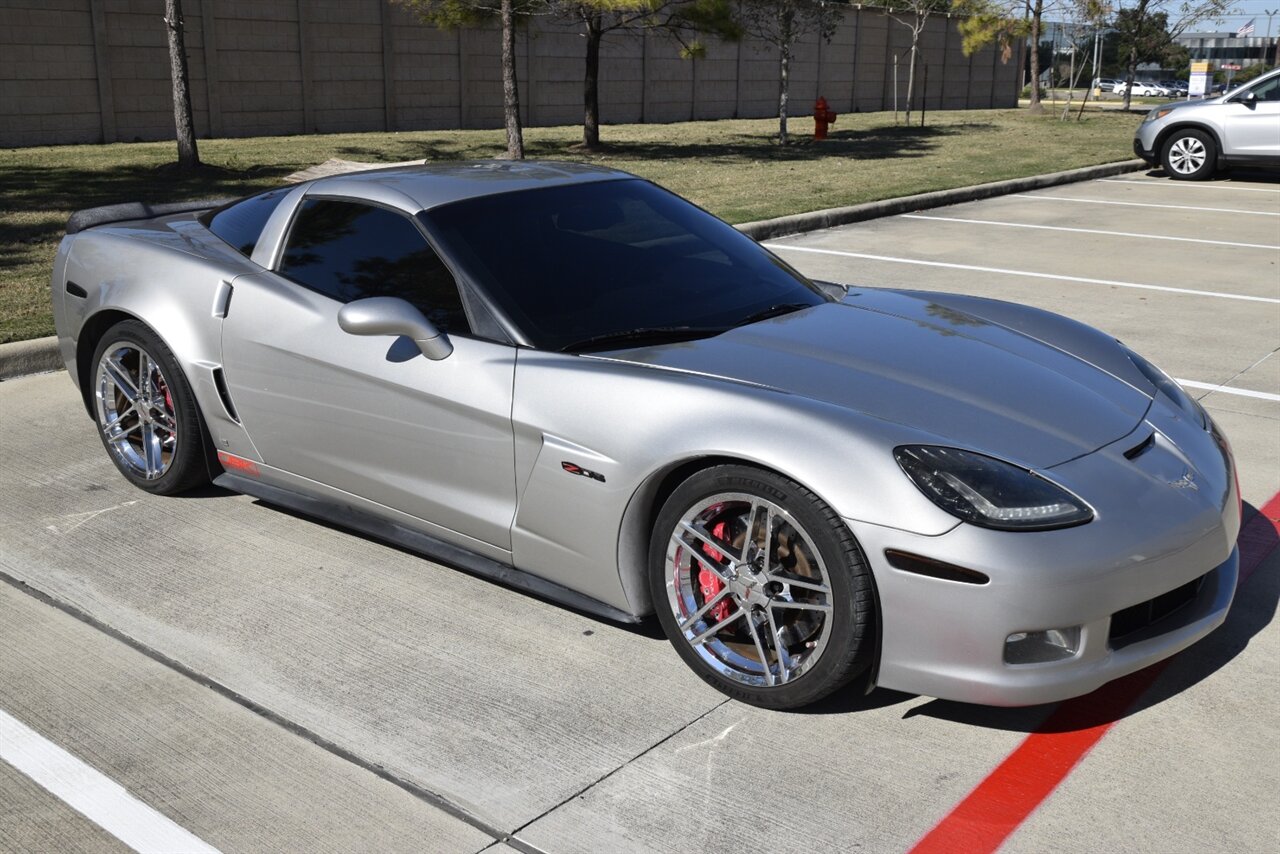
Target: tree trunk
(783, 87)
(911, 74)
(785, 38)
(1036, 12)
(510, 88)
(1131, 72)
(188, 155)
(591, 84)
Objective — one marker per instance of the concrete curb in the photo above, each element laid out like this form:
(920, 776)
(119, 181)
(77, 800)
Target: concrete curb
(41, 355)
(831, 217)
(21, 358)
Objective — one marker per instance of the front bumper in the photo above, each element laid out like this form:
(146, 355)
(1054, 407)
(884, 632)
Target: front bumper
(1152, 534)
(1143, 149)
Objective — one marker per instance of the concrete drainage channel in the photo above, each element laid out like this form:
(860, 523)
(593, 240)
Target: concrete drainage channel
(41, 355)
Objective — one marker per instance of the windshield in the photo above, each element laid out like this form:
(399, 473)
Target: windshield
(588, 266)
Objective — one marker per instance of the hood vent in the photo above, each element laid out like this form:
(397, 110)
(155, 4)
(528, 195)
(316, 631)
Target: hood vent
(1141, 448)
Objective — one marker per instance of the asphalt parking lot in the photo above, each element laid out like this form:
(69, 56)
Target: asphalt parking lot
(257, 681)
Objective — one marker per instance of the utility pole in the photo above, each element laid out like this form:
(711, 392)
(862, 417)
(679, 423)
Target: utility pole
(1271, 13)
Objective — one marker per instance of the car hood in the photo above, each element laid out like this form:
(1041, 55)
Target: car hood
(911, 359)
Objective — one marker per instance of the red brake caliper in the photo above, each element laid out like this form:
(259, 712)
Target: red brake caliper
(708, 581)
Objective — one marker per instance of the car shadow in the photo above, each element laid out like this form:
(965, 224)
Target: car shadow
(1228, 176)
(1252, 611)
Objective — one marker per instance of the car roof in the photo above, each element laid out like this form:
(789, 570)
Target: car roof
(425, 186)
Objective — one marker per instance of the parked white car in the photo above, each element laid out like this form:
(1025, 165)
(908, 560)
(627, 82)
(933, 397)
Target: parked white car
(1151, 90)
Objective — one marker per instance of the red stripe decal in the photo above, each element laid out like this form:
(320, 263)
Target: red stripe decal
(999, 804)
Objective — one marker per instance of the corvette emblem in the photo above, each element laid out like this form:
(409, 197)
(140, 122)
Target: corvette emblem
(574, 468)
(1187, 481)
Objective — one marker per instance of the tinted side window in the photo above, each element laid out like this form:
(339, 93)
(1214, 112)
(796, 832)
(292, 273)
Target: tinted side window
(347, 250)
(241, 223)
(1269, 91)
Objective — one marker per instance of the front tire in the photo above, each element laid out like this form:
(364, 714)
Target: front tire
(761, 587)
(146, 414)
(1189, 155)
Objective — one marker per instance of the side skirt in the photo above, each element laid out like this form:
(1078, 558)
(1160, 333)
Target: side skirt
(424, 544)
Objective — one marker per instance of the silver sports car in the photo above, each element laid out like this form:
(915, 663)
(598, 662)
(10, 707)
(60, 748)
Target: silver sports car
(575, 382)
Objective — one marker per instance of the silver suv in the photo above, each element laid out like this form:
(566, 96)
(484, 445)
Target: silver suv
(1193, 139)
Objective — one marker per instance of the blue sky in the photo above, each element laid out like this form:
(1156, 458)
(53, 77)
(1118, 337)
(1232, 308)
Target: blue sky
(1246, 9)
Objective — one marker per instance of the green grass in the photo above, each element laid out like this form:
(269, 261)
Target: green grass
(731, 168)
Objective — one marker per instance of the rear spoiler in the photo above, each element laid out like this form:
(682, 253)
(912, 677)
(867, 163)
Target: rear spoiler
(90, 217)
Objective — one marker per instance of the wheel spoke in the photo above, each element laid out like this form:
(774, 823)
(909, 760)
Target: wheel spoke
(119, 375)
(115, 435)
(764, 659)
(749, 538)
(697, 615)
(802, 606)
(151, 451)
(699, 639)
(144, 374)
(779, 648)
(792, 581)
(768, 537)
(705, 538)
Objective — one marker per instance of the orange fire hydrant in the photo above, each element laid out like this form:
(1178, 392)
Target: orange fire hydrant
(822, 116)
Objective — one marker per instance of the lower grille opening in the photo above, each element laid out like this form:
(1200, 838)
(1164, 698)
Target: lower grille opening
(1128, 623)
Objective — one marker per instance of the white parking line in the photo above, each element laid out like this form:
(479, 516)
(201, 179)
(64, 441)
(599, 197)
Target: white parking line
(1187, 184)
(1147, 205)
(1243, 392)
(1188, 291)
(1093, 231)
(91, 793)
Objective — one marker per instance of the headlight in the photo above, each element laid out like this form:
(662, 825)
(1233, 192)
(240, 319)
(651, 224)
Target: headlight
(1167, 386)
(1157, 114)
(990, 493)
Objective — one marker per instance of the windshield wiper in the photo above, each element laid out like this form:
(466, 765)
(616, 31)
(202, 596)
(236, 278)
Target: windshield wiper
(773, 311)
(643, 335)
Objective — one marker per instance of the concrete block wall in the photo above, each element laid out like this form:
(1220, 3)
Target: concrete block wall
(98, 70)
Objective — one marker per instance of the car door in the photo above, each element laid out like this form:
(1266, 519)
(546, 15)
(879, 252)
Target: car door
(372, 416)
(1253, 127)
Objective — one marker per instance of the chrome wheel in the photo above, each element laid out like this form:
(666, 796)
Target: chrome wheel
(748, 589)
(136, 412)
(1187, 155)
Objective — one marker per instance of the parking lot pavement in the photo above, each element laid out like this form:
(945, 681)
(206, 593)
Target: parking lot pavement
(198, 758)
(569, 734)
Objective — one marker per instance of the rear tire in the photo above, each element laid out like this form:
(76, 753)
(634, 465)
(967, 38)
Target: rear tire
(1189, 155)
(761, 587)
(147, 416)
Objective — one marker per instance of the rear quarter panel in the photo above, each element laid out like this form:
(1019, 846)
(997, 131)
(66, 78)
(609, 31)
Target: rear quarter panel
(165, 273)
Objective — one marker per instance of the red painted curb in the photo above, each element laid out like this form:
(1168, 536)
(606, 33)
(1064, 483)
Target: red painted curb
(1000, 803)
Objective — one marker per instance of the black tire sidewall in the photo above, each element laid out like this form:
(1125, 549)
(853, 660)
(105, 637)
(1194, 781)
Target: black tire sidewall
(849, 645)
(187, 467)
(1210, 161)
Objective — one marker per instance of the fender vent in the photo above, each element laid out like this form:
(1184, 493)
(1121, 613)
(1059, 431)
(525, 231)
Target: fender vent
(931, 568)
(220, 382)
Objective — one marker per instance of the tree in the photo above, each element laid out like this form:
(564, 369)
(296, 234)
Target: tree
(681, 19)
(451, 14)
(1003, 22)
(919, 11)
(1145, 30)
(782, 23)
(184, 125)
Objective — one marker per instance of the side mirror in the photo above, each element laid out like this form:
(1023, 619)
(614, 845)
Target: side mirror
(394, 316)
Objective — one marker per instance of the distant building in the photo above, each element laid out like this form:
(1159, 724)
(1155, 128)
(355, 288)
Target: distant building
(1225, 47)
